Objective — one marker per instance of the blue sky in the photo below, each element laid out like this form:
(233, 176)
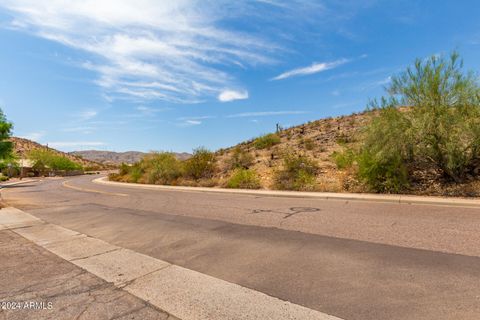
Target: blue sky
(156, 75)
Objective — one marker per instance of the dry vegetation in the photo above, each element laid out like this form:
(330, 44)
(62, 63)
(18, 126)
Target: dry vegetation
(431, 147)
(318, 141)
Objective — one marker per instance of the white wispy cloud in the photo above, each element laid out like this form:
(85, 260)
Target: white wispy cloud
(231, 95)
(35, 136)
(147, 49)
(189, 123)
(196, 118)
(80, 129)
(374, 84)
(314, 68)
(87, 115)
(264, 114)
(149, 111)
(75, 145)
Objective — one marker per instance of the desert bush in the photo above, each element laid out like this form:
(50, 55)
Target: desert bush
(123, 169)
(244, 179)
(202, 164)
(297, 173)
(135, 173)
(440, 129)
(240, 159)
(52, 160)
(382, 173)
(266, 141)
(161, 168)
(344, 159)
(309, 144)
(114, 176)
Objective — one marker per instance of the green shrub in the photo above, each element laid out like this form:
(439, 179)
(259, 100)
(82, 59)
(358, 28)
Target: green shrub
(440, 130)
(382, 174)
(244, 179)
(202, 164)
(240, 159)
(344, 159)
(266, 141)
(297, 173)
(124, 169)
(51, 160)
(135, 173)
(161, 168)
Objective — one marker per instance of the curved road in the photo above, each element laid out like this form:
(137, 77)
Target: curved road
(354, 260)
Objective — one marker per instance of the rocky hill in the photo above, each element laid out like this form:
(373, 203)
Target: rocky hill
(316, 139)
(115, 158)
(23, 146)
(319, 140)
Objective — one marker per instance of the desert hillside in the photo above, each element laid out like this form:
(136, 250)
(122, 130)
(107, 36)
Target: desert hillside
(116, 158)
(23, 146)
(317, 140)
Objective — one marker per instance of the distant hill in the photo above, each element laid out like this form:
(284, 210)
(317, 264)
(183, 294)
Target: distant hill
(111, 157)
(23, 146)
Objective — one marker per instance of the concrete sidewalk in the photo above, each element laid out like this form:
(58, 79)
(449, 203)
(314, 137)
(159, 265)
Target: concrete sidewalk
(43, 278)
(36, 284)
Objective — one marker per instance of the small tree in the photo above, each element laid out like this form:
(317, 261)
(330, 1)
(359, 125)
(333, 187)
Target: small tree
(6, 146)
(445, 119)
(440, 127)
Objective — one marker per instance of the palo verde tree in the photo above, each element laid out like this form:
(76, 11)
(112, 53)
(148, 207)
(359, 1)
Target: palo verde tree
(439, 129)
(6, 146)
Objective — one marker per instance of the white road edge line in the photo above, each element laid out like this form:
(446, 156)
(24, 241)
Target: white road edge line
(400, 199)
(181, 292)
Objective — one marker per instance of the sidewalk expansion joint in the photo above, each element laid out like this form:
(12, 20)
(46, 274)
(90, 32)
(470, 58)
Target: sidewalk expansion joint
(93, 255)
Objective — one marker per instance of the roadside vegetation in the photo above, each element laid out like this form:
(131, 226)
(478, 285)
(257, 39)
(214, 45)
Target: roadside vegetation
(429, 122)
(422, 137)
(298, 172)
(8, 161)
(45, 160)
(266, 141)
(244, 179)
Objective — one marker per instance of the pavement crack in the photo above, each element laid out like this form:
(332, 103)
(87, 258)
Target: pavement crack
(96, 254)
(129, 282)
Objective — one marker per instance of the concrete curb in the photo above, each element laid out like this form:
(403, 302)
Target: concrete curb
(6, 185)
(403, 199)
(181, 292)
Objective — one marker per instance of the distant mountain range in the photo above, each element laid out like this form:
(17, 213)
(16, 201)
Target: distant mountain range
(23, 146)
(111, 157)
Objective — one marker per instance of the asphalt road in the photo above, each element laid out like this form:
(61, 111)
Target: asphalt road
(354, 260)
